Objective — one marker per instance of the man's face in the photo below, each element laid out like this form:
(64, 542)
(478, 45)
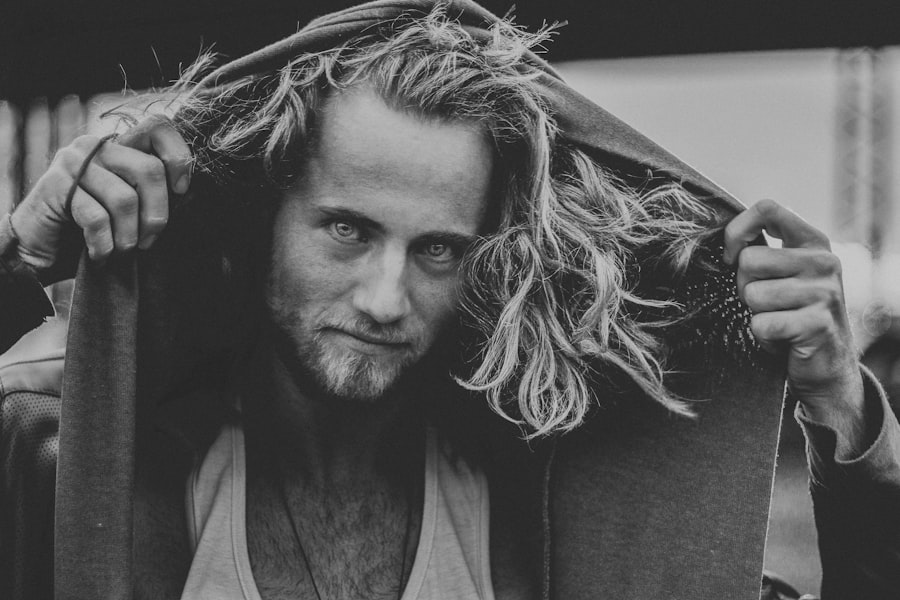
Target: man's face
(366, 246)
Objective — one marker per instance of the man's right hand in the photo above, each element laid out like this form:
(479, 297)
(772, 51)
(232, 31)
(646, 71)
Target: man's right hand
(120, 203)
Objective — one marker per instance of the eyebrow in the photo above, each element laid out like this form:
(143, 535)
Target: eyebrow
(450, 238)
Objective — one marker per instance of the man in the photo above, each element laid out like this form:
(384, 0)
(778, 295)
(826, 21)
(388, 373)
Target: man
(366, 216)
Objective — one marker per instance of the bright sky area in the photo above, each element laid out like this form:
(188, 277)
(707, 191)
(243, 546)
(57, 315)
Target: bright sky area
(762, 125)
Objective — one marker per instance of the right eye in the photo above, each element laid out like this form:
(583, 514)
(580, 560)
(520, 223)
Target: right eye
(345, 231)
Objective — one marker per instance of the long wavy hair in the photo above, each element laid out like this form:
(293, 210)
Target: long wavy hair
(550, 293)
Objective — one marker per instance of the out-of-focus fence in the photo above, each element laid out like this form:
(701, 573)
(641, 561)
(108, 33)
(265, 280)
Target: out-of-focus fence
(30, 137)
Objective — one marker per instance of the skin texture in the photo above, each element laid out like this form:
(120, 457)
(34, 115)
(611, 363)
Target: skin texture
(366, 247)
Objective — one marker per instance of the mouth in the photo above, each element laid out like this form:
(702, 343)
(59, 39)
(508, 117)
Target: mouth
(382, 342)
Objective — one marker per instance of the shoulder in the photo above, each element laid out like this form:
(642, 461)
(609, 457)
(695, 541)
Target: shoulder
(30, 386)
(35, 364)
(30, 382)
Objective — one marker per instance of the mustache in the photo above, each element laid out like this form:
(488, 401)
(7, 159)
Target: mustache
(369, 330)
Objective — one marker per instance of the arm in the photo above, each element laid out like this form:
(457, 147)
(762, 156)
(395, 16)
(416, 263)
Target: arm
(856, 498)
(110, 197)
(796, 295)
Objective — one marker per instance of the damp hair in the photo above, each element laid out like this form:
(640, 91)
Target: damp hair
(549, 298)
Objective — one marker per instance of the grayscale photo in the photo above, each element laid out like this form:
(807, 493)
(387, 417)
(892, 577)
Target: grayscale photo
(446, 300)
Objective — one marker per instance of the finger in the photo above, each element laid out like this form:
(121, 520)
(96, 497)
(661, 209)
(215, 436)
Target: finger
(777, 221)
(763, 262)
(120, 201)
(94, 221)
(792, 326)
(772, 295)
(157, 136)
(145, 173)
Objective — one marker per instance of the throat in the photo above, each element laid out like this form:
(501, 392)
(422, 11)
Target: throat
(329, 441)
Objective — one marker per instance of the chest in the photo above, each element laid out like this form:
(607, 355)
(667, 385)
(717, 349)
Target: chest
(343, 543)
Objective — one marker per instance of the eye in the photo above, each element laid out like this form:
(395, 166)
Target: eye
(346, 231)
(438, 250)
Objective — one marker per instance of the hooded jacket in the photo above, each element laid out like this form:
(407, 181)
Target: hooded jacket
(637, 503)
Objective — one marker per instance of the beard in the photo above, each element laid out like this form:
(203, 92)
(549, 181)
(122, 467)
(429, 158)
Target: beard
(323, 367)
(344, 373)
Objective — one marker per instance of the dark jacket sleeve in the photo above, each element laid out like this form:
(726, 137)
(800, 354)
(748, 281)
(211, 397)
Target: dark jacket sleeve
(23, 303)
(857, 504)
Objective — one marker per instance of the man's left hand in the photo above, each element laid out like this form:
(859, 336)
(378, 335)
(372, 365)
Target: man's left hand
(797, 299)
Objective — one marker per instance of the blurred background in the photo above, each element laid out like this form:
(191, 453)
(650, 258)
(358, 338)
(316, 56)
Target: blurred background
(796, 101)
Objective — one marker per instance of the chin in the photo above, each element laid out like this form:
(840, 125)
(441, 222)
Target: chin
(344, 374)
(357, 377)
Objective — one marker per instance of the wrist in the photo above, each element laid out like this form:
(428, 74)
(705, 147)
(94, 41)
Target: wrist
(17, 256)
(14, 262)
(841, 408)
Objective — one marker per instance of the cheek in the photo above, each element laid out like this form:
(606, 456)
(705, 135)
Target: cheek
(437, 302)
(301, 275)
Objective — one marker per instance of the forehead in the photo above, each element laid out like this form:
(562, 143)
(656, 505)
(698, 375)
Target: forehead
(375, 157)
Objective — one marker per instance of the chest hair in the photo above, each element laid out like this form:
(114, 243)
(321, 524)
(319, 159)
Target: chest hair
(357, 539)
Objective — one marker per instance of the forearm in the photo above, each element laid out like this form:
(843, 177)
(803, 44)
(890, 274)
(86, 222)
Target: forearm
(857, 501)
(23, 303)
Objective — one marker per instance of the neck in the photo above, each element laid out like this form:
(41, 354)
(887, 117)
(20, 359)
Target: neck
(325, 440)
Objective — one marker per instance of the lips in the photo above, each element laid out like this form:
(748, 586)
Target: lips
(388, 341)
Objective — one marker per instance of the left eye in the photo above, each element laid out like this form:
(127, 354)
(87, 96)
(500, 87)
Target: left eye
(438, 250)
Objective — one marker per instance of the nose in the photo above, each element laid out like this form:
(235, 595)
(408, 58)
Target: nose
(382, 291)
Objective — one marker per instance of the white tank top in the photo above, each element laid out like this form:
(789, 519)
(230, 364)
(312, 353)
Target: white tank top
(452, 560)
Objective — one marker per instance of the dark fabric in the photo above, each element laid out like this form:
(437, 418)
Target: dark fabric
(30, 378)
(23, 303)
(861, 561)
(636, 487)
(859, 547)
(645, 505)
(95, 478)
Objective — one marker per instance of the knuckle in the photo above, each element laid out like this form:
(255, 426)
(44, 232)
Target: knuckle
(154, 169)
(833, 296)
(125, 201)
(759, 327)
(154, 224)
(767, 207)
(57, 178)
(85, 142)
(102, 249)
(95, 220)
(823, 326)
(752, 294)
(827, 263)
(69, 158)
(766, 328)
(730, 232)
(748, 259)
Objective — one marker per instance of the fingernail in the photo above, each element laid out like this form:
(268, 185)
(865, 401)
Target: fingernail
(147, 242)
(181, 186)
